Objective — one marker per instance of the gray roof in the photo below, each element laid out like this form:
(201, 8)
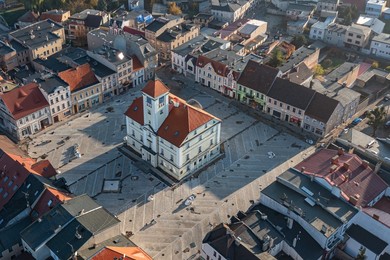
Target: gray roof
(118, 241)
(306, 246)
(321, 107)
(50, 84)
(290, 93)
(84, 14)
(367, 239)
(300, 7)
(155, 25)
(296, 58)
(339, 72)
(17, 46)
(338, 28)
(5, 48)
(248, 28)
(10, 235)
(382, 37)
(315, 215)
(99, 69)
(329, 1)
(298, 181)
(87, 225)
(37, 34)
(52, 63)
(42, 229)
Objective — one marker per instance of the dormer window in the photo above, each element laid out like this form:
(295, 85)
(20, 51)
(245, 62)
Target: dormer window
(149, 101)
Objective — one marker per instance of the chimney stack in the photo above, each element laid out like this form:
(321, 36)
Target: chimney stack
(340, 152)
(335, 159)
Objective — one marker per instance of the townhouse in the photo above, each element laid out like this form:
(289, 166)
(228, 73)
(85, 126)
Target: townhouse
(57, 93)
(375, 8)
(335, 34)
(79, 24)
(24, 111)
(299, 11)
(171, 134)
(328, 5)
(117, 61)
(220, 69)
(85, 88)
(56, 15)
(231, 11)
(254, 83)
(38, 40)
(380, 46)
(357, 36)
(318, 30)
(8, 59)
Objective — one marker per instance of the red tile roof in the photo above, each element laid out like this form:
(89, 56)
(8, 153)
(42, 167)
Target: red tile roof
(357, 181)
(125, 253)
(10, 147)
(137, 65)
(136, 111)
(44, 168)
(182, 120)
(155, 88)
(133, 31)
(382, 211)
(55, 196)
(79, 77)
(24, 100)
(220, 68)
(12, 176)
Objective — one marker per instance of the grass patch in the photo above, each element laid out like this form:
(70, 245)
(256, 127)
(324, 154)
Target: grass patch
(336, 62)
(11, 16)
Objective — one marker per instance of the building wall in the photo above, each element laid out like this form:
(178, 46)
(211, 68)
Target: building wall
(208, 252)
(334, 38)
(375, 8)
(323, 5)
(86, 98)
(60, 103)
(312, 60)
(285, 112)
(317, 33)
(41, 252)
(380, 49)
(323, 128)
(352, 38)
(138, 77)
(9, 61)
(10, 254)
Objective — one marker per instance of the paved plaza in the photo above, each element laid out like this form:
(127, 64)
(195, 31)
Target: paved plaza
(153, 214)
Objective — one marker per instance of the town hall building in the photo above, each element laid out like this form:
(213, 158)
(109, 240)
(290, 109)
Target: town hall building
(170, 133)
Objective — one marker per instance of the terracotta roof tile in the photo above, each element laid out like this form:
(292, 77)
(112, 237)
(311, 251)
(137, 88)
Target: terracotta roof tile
(24, 100)
(182, 120)
(12, 176)
(44, 168)
(137, 65)
(125, 253)
(155, 88)
(357, 181)
(55, 196)
(136, 111)
(79, 77)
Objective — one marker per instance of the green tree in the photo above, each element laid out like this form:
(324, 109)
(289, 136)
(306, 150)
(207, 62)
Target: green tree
(34, 5)
(319, 70)
(347, 19)
(102, 5)
(362, 253)
(376, 118)
(327, 63)
(375, 65)
(299, 40)
(277, 58)
(387, 68)
(173, 8)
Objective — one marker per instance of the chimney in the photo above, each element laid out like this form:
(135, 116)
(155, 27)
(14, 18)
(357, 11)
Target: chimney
(335, 159)
(375, 216)
(303, 169)
(346, 165)
(340, 152)
(377, 167)
(365, 164)
(351, 150)
(333, 168)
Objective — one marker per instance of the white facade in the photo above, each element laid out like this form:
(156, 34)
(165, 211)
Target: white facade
(199, 147)
(327, 5)
(138, 77)
(233, 13)
(60, 102)
(375, 7)
(380, 46)
(317, 31)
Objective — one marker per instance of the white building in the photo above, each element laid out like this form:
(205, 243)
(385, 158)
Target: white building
(231, 11)
(375, 7)
(380, 46)
(318, 30)
(329, 5)
(171, 134)
(57, 93)
(373, 23)
(24, 111)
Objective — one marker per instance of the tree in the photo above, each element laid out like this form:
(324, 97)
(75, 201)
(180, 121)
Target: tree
(375, 65)
(376, 118)
(102, 5)
(327, 63)
(362, 253)
(277, 58)
(387, 68)
(319, 70)
(299, 40)
(173, 8)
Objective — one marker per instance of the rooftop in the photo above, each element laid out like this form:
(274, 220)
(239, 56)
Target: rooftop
(296, 58)
(50, 84)
(37, 34)
(83, 14)
(125, 253)
(366, 238)
(24, 100)
(78, 78)
(358, 183)
(5, 48)
(321, 107)
(338, 73)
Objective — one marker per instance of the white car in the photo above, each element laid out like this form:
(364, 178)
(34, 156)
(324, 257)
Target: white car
(189, 200)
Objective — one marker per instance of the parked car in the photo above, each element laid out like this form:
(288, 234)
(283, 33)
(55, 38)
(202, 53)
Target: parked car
(189, 200)
(387, 124)
(387, 97)
(357, 121)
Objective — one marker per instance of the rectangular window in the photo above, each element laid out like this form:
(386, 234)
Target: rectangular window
(161, 102)
(171, 158)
